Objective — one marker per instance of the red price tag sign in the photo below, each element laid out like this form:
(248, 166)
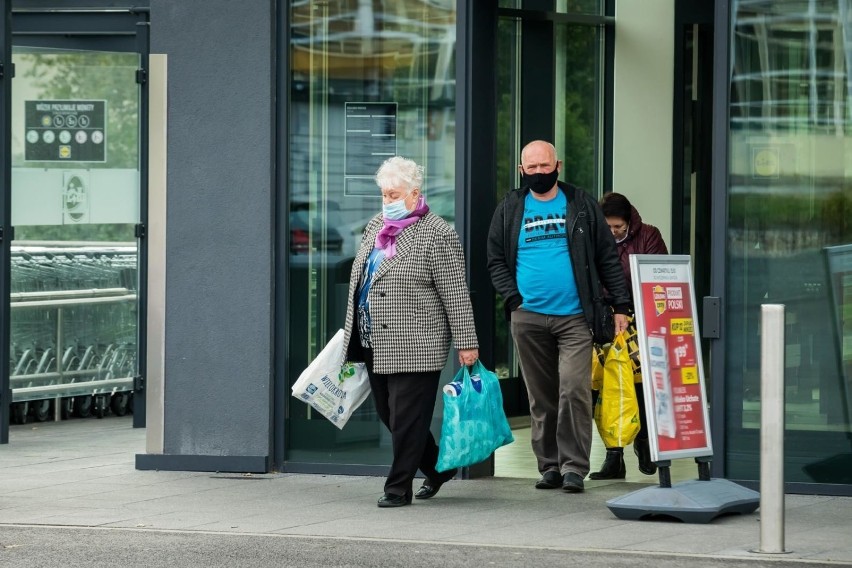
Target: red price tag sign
(677, 415)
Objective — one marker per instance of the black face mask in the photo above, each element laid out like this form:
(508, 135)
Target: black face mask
(541, 183)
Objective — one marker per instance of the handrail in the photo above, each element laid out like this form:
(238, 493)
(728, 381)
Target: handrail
(85, 386)
(73, 302)
(65, 294)
(55, 375)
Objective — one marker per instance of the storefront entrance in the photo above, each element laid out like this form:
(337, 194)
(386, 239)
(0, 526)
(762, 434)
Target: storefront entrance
(365, 85)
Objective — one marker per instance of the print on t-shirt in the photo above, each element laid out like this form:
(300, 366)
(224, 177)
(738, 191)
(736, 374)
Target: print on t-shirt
(538, 228)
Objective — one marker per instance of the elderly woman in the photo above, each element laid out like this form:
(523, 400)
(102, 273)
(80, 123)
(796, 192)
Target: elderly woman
(632, 236)
(407, 299)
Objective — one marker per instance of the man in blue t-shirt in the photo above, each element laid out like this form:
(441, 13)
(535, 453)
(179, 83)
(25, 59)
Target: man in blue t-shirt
(538, 255)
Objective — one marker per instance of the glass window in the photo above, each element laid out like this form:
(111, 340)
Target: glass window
(508, 156)
(368, 81)
(789, 234)
(75, 204)
(579, 134)
(579, 104)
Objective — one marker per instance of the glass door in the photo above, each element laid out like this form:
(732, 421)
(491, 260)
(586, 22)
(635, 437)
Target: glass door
(365, 83)
(75, 186)
(572, 113)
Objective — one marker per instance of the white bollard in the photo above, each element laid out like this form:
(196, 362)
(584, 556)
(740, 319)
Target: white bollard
(772, 429)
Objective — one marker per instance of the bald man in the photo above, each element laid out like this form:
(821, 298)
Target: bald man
(538, 255)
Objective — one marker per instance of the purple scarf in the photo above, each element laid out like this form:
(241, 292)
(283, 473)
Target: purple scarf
(386, 238)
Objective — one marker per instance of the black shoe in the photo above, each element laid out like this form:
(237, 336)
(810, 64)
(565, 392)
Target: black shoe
(642, 449)
(392, 500)
(430, 488)
(572, 483)
(613, 466)
(427, 490)
(550, 480)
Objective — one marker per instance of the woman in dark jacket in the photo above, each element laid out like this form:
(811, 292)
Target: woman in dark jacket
(632, 236)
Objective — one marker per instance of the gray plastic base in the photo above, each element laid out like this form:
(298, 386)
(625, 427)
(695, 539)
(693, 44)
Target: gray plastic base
(689, 501)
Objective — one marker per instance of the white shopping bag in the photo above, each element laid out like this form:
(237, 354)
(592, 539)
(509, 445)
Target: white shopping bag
(333, 387)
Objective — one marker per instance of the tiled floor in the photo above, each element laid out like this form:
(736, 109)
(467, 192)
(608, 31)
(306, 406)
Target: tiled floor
(517, 460)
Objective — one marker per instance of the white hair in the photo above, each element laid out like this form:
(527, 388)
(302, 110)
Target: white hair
(400, 173)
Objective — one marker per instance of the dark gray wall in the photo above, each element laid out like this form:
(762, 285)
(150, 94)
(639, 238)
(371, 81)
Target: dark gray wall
(218, 368)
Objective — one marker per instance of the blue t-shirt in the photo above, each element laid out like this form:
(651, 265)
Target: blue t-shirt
(365, 326)
(544, 271)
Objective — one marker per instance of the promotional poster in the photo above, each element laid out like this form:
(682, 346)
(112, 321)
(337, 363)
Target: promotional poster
(670, 349)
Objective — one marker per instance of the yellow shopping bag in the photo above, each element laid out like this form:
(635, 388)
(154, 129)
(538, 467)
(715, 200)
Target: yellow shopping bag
(632, 340)
(616, 410)
(598, 360)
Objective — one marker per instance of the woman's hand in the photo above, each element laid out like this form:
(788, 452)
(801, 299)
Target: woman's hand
(468, 356)
(621, 323)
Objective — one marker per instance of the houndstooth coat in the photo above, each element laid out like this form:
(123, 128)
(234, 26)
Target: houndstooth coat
(419, 299)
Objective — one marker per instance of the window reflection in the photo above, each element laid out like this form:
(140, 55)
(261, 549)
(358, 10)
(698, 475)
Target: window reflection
(790, 199)
(75, 204)
(367, 81)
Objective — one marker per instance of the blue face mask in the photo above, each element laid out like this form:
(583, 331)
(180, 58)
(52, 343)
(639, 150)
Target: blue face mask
(395, 210)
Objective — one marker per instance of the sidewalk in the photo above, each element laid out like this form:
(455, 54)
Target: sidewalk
(80, 473)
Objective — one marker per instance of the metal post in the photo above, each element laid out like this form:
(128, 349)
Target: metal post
(57, 403)
(772, 429)
(664, 472)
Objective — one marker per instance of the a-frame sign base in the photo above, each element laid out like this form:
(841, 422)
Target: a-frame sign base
(692, 501)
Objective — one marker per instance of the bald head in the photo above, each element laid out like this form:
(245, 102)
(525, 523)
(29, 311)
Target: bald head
(540, 169)
(538, 157)
(539, 147)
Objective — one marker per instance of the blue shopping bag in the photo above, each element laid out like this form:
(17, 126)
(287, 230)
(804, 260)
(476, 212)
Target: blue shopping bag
(474, 423)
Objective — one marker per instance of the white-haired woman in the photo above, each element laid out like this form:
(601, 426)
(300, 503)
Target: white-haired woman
(407, 300)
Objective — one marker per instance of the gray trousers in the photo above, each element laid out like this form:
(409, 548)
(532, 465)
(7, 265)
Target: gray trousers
(556, 361)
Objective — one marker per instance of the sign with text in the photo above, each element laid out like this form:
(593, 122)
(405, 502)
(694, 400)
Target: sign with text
(370, 140)
(670, 349)
(65, 131)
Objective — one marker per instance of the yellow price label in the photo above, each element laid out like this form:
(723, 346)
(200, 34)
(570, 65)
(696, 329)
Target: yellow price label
(689, 375)
(682, 326)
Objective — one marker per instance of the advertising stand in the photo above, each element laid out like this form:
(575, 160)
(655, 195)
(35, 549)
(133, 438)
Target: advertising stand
(676, 401)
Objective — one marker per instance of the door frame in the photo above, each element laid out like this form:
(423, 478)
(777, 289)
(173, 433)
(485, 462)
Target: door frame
(690, 217)
(6, 73)
(719, 222)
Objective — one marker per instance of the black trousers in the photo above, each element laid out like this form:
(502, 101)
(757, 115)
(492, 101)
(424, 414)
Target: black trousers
(405, 402)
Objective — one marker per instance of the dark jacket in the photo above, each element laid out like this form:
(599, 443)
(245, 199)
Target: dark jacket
(641, 239)
(584, 221)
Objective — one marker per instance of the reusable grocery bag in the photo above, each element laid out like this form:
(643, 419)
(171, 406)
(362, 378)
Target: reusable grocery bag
(474, 421)
(632, 340)
(616, 410)
(598, 360)
(333, 387)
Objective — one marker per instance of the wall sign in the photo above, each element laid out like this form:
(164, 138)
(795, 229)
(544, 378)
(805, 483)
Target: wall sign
(65, 131)
(370, 140)
(673, 373)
